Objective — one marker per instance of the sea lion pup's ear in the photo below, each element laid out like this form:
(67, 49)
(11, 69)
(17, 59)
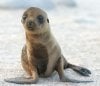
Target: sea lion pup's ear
(48, 20)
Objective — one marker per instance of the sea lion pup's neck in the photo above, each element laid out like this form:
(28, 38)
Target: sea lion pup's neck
(40, 37)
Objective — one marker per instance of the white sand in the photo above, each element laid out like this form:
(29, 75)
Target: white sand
(77, 31)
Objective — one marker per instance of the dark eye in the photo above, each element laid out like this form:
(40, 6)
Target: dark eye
(40, 19)
(24, 17)
(48, 20)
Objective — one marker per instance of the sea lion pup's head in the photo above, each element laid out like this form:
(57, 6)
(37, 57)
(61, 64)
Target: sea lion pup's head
(35, 20)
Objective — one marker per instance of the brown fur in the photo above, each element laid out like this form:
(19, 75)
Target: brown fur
(41, 54)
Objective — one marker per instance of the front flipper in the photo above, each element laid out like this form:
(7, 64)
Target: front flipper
(21, 80)
(66, 79)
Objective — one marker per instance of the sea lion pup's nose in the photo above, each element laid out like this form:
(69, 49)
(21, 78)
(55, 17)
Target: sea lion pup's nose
(30, 24)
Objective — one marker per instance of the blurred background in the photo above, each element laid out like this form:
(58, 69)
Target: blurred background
(46, 4)
(74, 23)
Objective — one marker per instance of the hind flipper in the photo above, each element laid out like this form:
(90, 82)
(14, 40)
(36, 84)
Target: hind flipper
(63, 78)
(81, 70)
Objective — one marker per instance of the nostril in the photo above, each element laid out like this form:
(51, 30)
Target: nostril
(30, 23)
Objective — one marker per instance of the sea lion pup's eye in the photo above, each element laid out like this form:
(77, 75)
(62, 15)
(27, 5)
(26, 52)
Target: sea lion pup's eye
(40, 19)
(24, 17)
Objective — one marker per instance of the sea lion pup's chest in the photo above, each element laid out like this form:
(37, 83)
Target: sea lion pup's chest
(45, 55)
(40, 57)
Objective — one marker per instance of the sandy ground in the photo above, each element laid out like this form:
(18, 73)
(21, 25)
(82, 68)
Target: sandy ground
(78, 33)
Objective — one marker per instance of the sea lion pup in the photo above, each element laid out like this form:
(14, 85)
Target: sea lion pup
(41, 55)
